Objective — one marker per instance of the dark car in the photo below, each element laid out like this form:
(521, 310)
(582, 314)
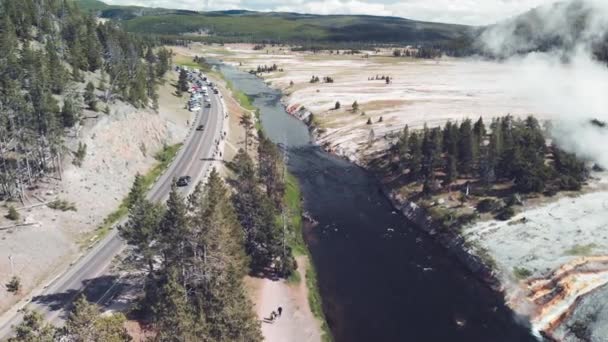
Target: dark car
(208, 105)
(184, 181)
(200, 128)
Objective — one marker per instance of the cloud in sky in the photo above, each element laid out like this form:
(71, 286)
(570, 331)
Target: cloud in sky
(471, 12)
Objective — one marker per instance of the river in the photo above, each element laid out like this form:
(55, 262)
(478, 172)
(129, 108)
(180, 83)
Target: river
(381, 279)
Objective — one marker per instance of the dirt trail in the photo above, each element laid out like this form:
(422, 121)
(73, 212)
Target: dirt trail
(296, 324)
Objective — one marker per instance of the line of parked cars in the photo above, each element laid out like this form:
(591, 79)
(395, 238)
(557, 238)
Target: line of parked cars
(200, 88)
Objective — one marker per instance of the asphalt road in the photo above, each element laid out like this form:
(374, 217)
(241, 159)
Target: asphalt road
(194, 159)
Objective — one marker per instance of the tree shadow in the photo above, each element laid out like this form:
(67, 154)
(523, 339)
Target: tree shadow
(97, 290)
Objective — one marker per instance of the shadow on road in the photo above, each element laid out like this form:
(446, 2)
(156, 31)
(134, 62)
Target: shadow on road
(97, 290)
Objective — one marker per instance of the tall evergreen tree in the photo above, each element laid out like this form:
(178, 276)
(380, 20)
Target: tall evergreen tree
(467, 151)
(34, 329)
(415, 160)
(89, 96)
(69, 113)
(182, 82)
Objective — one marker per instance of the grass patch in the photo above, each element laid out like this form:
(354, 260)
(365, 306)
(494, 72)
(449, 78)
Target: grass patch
(293, 203)
(243, 99)
(164, 158)
(581, 250)
(316, 303)
(62, 205)
(294, 210)
(521, 273)
(294, 278)
(186, 61)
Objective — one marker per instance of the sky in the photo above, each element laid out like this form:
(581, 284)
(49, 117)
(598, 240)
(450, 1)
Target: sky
(469, 12)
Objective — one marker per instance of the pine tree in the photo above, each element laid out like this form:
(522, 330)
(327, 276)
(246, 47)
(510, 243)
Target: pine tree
(93, 47)
(69, 113)
(81, 321)
(152, 92)
(271, 169)
(164, 62)
(174, 228)
(174, 316)
(182, 82)
(467, 153)
(150, 57)
(415, 160)
(247, 122)
(89, 96)
(102, 82)
(58, 74)
(142, 229)
(403, 147)
(451, 170)
(33, 329)
(85, 323)
(229, 313)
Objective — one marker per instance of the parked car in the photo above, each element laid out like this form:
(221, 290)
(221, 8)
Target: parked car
(184, 181)
(208, 105)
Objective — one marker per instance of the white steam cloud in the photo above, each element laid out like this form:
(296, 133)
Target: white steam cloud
(567, 82)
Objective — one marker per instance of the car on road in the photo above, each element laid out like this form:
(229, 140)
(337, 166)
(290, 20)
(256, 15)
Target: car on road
(184, 181)
(200, 128)
(208, 105)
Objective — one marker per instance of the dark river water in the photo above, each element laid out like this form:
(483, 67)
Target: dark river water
(381, 279)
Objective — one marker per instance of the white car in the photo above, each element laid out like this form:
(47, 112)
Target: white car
(195, 108)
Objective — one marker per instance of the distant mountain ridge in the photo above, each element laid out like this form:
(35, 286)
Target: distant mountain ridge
(243, 25)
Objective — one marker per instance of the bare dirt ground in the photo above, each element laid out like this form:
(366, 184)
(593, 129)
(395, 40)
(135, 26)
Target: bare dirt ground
(119, 145)
(296, 324)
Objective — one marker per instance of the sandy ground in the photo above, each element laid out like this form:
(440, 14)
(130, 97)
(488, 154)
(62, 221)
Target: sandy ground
(296, 324)
(118, 146)
(421, 91)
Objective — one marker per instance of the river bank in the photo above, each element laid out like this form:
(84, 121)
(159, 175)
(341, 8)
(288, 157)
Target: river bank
(402, 266)
(515, 275)
(303, 318)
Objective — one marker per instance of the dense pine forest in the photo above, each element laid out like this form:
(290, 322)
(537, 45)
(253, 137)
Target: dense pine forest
(57, 63)
(193, 251)
(512, 152)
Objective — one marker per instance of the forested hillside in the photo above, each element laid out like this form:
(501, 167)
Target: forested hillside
(250, 26)
(57, 63)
